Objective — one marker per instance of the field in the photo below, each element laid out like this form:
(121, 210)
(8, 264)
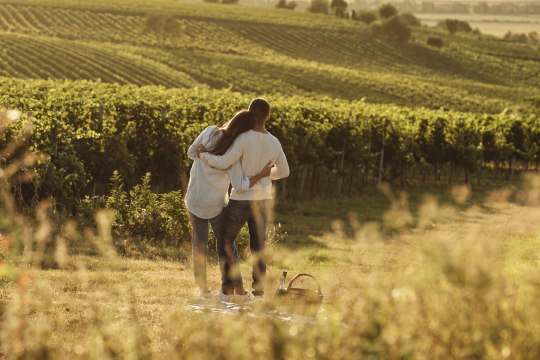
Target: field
(496, 25)
(413, 197)
(243, 50)
(459, 281)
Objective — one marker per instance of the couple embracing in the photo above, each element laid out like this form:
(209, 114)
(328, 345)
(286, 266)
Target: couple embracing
(242, 153)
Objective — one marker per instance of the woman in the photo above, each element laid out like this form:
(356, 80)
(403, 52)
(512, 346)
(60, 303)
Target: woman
(207, 192)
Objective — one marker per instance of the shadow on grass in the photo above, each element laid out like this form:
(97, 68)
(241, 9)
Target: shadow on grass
(306, 221)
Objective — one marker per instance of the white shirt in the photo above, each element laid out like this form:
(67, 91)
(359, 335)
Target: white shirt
(207, 192)
(254, 150)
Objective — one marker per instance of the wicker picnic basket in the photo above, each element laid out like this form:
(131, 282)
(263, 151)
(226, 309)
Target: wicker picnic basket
(297, 300)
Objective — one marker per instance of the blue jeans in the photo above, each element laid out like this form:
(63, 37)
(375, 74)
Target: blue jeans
(199, 243)
(237, 213)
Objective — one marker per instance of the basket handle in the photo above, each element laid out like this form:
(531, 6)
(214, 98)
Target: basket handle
(307, 275)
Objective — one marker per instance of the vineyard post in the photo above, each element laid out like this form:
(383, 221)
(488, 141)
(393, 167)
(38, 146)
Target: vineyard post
(100, 111)
(512, 168)
(295, 170)
(480, 178)
(340, 172)
(94, 197)
(365, 173)
(313, 180)
(351, 178)
(303, 180)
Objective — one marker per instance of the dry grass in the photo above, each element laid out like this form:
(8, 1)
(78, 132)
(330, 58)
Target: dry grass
(462, 285)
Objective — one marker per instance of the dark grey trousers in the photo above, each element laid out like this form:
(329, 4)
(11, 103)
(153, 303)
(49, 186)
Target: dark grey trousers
(236, 214)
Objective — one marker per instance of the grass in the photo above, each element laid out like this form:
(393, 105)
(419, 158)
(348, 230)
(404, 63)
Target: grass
(402, 293)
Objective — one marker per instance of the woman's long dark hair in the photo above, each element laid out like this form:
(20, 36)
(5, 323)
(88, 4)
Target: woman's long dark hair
(241, 122)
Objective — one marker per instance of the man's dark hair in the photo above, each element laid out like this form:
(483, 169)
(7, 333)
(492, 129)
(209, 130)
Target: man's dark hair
(260, 108)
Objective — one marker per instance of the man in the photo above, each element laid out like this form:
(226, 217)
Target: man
(255, 149)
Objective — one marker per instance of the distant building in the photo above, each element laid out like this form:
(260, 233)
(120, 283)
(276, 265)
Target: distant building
(428, 6)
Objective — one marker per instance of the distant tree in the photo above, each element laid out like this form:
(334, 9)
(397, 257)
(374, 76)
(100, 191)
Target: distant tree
(391, 29)
(522, 38)
(229, 2)
(164, 27)
(464, 26)
(409, 19)
(211, 1)
(436, 42)
(396, 30)
(367, 17)
(375, 28)
(533, 38)
(386, 11)
(283, 4)
(318, 6)
(453, 25)
(516, 37)
(339, 7)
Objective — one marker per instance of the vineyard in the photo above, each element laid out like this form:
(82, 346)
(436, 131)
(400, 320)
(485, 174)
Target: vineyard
(147, 94)
(43, 58)
(91, 129)
(240, 49)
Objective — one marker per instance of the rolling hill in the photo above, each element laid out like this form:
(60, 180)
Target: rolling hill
(251, 50)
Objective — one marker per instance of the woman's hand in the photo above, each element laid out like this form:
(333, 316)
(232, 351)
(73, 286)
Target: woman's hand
(265, 172)
(201, 149)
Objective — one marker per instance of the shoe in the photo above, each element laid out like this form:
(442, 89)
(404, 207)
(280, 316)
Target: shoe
(237, 298)
(206, 294)
(239, 290)
(223, 297)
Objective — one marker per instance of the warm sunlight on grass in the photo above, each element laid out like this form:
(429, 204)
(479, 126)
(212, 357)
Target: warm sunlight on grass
(433, 280)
